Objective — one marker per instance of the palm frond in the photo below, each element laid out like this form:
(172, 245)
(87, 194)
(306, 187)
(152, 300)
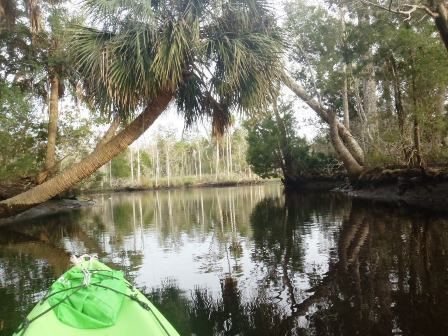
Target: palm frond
(173, 51)
(218, 57)
(247, 53)
(111, 13)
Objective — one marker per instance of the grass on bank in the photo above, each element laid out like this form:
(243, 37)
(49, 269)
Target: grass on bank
(174, 182)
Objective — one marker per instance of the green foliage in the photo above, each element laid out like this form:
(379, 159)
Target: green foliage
(29, 55)
(186, 161)
(21, 135)
(316, 50)
(276, 153)
(121, 166)
(263, 153)
(146, 160)
(396, 72)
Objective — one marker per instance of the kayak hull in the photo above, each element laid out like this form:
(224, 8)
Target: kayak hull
(134, 319)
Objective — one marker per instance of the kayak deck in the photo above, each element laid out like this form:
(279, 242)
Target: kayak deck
(136, 316)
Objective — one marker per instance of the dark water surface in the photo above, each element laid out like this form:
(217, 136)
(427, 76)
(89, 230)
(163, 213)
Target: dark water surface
(247, 261)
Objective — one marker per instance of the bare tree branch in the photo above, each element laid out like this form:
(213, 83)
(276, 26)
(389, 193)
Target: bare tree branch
(403, 9)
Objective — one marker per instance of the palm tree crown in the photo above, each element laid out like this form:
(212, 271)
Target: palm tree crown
(215, 56)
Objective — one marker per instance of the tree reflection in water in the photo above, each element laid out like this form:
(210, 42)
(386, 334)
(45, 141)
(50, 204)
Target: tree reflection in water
(201, 313)
(388, 276)
(371, 270)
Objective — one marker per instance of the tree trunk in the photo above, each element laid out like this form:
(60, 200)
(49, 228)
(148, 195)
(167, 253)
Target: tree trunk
(157, 165)
(53, 115)
(132, 165)
(416, 127)
(343, 10)
(442, 22)
(230, 153)
(288, 166)
(350, 163)
(350, 142)
(217, 159)
(369, 96)
(195, 163)
(417, 143)
(90, 164)
(168, 168)
(399, 109)
(200, 163)
(50, 157)
(368, 80)
(345, 99)
(360, 111)
(110, 173)
(139, 170)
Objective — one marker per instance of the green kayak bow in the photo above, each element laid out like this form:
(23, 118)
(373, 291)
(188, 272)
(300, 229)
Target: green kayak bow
(91, 299)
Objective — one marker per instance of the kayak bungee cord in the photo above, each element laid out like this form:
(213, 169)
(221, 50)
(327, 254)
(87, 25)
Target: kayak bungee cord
(25, 324)
(86, 282)
(134, 297)
(77, 262)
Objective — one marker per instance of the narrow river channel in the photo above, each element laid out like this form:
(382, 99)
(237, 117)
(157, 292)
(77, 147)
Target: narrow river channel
(247, 261)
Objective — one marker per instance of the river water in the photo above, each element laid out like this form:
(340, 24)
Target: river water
(247, 261)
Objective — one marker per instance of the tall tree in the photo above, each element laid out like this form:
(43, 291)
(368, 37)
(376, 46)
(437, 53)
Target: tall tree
(317, 49)
(209, 57)
(397, 74)
(36, 33)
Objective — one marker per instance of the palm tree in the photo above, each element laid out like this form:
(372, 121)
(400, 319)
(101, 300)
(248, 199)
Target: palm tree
(57, 70)
(211, 57)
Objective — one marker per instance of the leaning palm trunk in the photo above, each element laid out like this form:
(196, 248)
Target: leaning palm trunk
(344, 134)
(90, 164)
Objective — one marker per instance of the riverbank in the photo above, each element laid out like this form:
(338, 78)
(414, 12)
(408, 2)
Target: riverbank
(73, 200)
(179, 185)
(48, 208)
(411, 187)
(396, 187)
(315, 184)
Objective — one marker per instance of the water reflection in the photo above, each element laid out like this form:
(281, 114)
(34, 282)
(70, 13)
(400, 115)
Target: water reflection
(247, 261)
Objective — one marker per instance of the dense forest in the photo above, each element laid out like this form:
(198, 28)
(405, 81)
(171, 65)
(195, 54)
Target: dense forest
(77, 90)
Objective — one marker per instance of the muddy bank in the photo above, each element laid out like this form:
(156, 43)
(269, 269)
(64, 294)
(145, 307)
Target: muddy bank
(430, 197)
(324, 183)
(415, 188)
(47, 209)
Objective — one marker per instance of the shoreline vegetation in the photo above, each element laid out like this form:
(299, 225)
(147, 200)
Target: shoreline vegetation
(377, 86)
(180, 183)
(76, 199)
(423, 190)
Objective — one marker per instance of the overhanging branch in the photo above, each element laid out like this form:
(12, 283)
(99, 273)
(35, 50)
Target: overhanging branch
(403, 9)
